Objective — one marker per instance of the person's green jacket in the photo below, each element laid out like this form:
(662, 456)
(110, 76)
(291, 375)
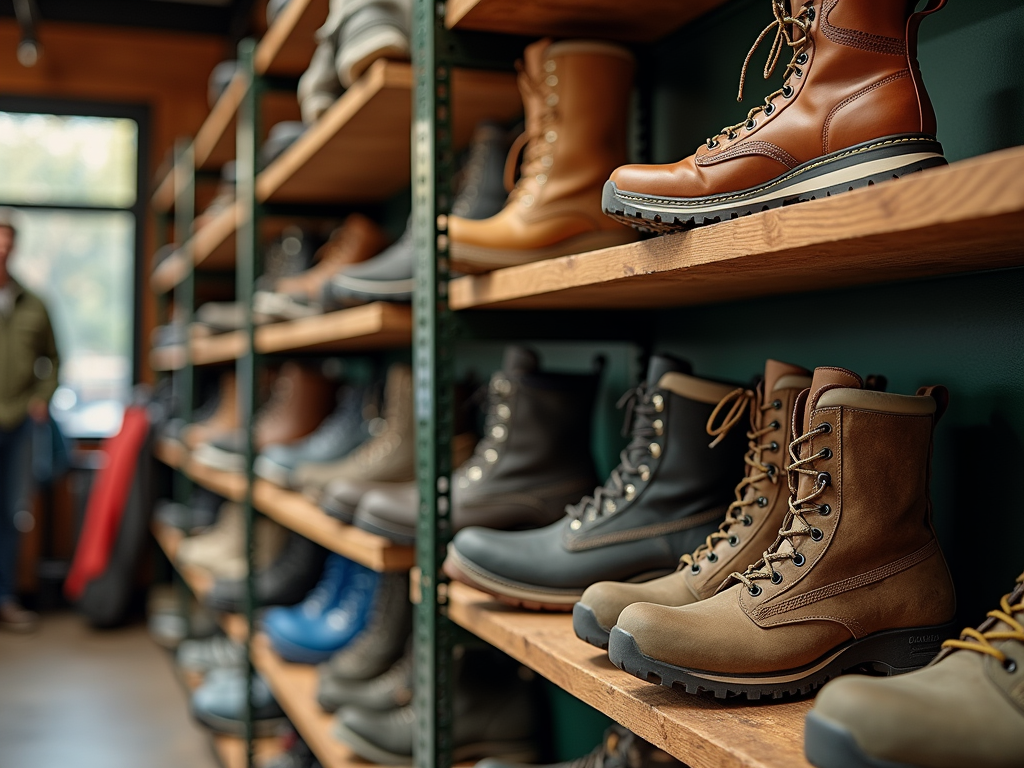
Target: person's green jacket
(28, 357)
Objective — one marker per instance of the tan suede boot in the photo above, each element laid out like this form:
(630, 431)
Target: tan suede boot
(751, 523)
(965, 709)
(576, 97)
(855, 579)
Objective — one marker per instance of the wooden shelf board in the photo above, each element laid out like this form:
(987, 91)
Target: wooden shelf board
(576, 18)
(360, 149)
(220, 348)
(294, 686)
(169, 272)
(376, 325)
(170, 452)
(294, 511)
(230, 485)
(288, 45)
(213, 246)
(231, 750)
(163, 196)
(966, 217)
(701, 731)
(172, 358)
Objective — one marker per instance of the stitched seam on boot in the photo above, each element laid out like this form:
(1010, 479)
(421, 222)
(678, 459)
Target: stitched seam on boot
(849, 100)
(765, 148)
(646, 532)
(852, 583)
(891, 46)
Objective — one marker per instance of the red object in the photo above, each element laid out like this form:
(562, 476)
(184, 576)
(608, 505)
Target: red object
(107, 503)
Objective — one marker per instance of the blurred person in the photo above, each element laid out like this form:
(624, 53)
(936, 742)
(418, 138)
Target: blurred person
(28, 379)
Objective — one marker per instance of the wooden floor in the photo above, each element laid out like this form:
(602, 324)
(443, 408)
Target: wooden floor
(71, 697)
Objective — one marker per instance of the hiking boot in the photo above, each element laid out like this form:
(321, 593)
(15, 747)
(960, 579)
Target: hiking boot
(855, 578)
(669, 491)
(750, 525)
(389, 690)
(965, 708)
(852, 112)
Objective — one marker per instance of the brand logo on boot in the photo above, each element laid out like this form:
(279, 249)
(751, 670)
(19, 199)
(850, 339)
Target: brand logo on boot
(918, 639)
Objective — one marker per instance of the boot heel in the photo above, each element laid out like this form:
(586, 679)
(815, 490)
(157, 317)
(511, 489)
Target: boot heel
(904, 650)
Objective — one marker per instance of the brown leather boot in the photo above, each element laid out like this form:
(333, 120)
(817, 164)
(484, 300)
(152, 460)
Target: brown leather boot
(855, 579)
(576, 97)
(751, 523)
(301, 398)
(853, 111)
(223, 421)
(300, 295)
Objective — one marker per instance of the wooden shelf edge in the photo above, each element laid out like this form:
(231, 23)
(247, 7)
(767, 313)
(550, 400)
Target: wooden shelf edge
(222, 228)
(294, 511)
(217, 125)
(379, 324)
(299, 19)
(169, 273)
(171, 358)
(699, 730)
(162, 200)
(964, 217)
(170, 452)
(220, 348)
(231, 750)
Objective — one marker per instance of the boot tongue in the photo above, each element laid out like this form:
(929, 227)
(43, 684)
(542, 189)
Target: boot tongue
(775, 370)
(534, 57)
(659, 365)
(519, 361)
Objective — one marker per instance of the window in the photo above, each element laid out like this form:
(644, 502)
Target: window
(75, 180)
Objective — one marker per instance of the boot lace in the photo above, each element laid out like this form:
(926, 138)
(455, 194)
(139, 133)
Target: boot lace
(498, 393)
(790, 31)
(536, 142)
(795, 524)
(739, 401)
(975, 640)
(640, 424)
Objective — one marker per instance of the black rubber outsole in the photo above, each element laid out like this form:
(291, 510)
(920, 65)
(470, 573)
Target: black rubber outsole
(403, 538)
(829, 745)
(344, 512)
(888, 653)
(636, 214)
(587, 627)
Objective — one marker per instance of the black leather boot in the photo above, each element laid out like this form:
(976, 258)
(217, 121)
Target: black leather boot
(670, 490)
(533, 460)
(284, 582)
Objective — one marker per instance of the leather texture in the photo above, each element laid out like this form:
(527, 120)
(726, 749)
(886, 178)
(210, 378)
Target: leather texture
(389, 690)
(865, 558)
(758, 512)
(576, 97)
(860, 81)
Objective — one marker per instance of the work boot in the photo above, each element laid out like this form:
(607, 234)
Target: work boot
(534, 458)
(319, 86)
(300, 295)
(222, 420)
(576, 96)
(669, 491)
(301, 398)
(854, 580)
(221, 549)
(965, 708)
(387, 457)
(619, 748)
(368, 30)
(751, 524)
(852, 111)
(389, 690)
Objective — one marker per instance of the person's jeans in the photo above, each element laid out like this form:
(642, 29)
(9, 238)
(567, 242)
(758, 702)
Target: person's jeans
(15, 484)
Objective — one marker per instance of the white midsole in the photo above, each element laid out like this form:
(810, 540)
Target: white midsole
(833, 179)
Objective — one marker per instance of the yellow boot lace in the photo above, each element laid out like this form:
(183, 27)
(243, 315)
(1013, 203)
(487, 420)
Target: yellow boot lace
(974, 640)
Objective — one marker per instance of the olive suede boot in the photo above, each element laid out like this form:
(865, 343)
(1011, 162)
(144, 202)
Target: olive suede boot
(669, 491)
(965, 709)
(854, 580)
(751, 524)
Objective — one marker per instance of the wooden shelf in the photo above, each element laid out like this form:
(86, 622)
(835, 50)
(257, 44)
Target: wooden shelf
(294, 686)
(701, 731)
(288, 45)
(230, 485)
(219, 348)
(378, 325)
(231, 750)
(172, 358)
(212, 247)
(576, 18)
(294, 511)
(966, 217)
(163, 195)
(359, 151)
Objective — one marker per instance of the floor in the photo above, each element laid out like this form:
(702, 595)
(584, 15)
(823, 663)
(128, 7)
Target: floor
(72, 697)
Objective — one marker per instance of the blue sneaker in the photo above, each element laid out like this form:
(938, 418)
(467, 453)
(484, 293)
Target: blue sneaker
(330, 617)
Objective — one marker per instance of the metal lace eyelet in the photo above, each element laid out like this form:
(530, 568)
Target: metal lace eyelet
(772, 470)
(823, 480)
(750, 124)
(776, 577)
(788, 91)
(754, 591)
(712, 144)
(655, 450)
(774, 447)
(747, 520)
(712, 557)
(576, 525)
(774, 425)
(769, 110)
(734, 541)
(731, 135)
(810, 14)
(802, 58)
(816, 534)
(762, 501)
(825, 510)
(799, 560)
(776, 404)
(1009, 665)
(825, 453)
(658, 401)
(824, 428)
(694, 568)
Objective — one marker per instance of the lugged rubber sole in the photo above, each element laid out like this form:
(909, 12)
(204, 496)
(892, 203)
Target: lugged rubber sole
(511, 593)
(828, 745)
(588, 628)
(339, 510)
(889, 653)
(862, 165)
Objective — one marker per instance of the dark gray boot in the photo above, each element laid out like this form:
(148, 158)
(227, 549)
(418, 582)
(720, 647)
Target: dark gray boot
(670, 490)
(533, 460)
